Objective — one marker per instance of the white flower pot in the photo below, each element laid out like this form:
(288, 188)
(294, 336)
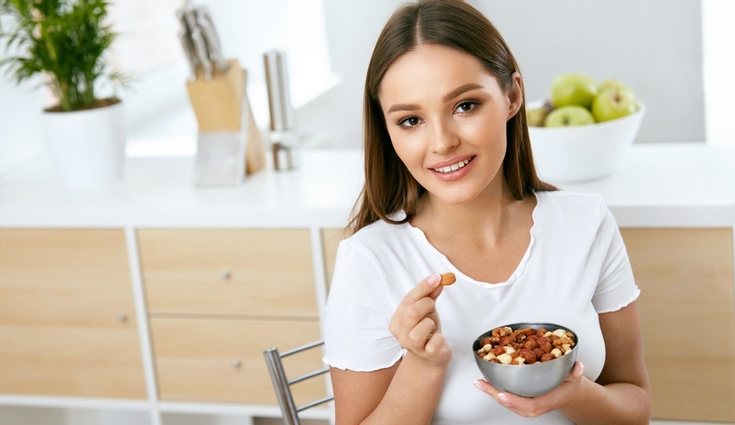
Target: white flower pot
(87, 147)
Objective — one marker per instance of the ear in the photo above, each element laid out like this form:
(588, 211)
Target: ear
(515, 94)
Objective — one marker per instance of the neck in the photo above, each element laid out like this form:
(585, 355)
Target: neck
(481, 222)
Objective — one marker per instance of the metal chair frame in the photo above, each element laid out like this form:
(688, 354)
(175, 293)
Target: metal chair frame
(282, 385)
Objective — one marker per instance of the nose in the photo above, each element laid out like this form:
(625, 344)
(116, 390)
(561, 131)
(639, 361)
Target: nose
(443, 137)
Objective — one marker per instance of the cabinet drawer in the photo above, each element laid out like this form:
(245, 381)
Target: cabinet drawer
(330, 242)
(256, 272)
(221, 360)
(686, 281)
(67, 317)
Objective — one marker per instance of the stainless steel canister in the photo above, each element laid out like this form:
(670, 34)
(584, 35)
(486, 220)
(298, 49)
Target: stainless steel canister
(282, 115)
(279, 95)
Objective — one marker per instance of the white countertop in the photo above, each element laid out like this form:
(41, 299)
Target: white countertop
(660, 185)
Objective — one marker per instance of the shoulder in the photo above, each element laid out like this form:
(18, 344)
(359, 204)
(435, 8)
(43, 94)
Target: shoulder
(375, 236)
(395, 254)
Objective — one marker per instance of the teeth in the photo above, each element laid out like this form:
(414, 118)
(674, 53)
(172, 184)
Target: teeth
(453, 167)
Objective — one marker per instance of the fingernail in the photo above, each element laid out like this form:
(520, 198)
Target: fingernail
(503, 398)
(477, 383)
(434, 279)
(581, 368)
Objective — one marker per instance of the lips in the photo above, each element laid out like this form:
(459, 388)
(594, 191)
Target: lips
(451, 165)
(452, 169)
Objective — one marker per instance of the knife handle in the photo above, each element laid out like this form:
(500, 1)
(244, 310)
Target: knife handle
(200, 48)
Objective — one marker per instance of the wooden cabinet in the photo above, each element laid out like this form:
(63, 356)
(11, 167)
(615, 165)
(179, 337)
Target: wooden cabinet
(330, 242)
(217, 298)
(67, 317)
(688, 314)
(219, 274)
(251, 272)
(222, 359)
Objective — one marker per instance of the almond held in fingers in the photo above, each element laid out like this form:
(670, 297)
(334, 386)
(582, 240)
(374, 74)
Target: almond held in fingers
(447, 279)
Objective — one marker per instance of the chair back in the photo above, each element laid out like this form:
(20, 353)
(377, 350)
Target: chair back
(282, 384)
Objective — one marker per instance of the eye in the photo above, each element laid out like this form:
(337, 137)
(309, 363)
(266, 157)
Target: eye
(409, 122)
(466, 106)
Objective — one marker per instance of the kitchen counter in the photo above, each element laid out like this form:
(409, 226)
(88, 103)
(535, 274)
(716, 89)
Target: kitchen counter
(659, 185)
(198, 273)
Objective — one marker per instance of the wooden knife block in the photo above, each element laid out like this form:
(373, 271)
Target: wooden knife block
(221, 105)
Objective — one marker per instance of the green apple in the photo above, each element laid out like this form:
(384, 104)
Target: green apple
(613, 84)
(613, 103)
(568, 116)
(573, 89)
(536, 116)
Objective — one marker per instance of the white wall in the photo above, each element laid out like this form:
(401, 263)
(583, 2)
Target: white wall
(352, 29)
(21, 137)
(719, 68)
(653, 45)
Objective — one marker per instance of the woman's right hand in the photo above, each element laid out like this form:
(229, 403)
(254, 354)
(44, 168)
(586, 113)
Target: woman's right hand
(416, 325)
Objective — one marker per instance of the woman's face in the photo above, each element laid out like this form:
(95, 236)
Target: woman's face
(446, 116)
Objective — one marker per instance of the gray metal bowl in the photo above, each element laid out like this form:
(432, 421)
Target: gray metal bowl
(530, 380)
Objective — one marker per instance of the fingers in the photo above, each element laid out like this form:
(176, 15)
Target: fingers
(420, 309)
(419, 301)
(436, 345)
(518, 405)
(532, 407)
(426, 288)
(485, 387)
(577, 370)
(421, 333)
(416, 323)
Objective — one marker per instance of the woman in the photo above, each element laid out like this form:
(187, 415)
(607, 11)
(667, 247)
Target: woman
(450, 186)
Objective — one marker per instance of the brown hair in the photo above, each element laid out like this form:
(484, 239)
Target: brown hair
(389, 187)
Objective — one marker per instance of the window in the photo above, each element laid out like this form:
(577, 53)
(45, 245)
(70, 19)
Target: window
(160, 120)
(719, 68)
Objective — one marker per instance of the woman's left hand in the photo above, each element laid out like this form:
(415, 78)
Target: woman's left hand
(537, 406)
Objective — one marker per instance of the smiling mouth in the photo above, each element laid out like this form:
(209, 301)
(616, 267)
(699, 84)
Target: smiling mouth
(453, 167)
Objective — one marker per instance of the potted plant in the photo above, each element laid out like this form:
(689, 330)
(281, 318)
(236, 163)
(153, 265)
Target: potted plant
(66, 43)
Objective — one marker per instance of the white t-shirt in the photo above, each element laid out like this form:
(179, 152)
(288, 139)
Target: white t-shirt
(575, 267)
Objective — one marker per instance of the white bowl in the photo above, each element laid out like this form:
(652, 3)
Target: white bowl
(586, 152)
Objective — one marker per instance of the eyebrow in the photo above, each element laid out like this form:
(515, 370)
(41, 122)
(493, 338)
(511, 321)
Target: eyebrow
(452, 94)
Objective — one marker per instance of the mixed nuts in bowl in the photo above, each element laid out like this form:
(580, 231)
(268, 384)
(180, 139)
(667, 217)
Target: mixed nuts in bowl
(526, 359)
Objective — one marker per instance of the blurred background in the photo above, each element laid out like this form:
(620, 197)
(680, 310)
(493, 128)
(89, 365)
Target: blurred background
(671, 52)
(674, 54)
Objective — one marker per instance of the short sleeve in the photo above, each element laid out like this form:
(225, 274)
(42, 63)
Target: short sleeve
(358, 312)
(616, 287)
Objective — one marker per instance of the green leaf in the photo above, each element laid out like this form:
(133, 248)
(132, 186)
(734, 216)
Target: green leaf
(65, 40)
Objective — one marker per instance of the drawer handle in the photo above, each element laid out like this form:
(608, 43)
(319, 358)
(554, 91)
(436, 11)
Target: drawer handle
(225, 275)
(236, 364)
(122, 317)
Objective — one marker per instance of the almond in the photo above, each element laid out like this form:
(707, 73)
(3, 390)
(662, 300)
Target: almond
(448, 279)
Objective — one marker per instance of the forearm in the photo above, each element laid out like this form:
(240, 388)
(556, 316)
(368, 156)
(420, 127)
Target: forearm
(412, 396)
(618, 403)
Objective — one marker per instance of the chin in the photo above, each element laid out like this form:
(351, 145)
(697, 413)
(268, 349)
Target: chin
(455, 198)
(467, 193)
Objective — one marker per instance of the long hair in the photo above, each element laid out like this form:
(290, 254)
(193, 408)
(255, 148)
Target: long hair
(389, 186)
